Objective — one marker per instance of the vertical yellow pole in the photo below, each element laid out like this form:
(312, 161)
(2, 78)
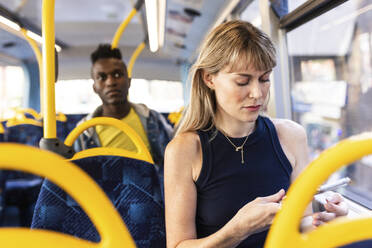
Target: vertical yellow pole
(49, 69)
(39, 59)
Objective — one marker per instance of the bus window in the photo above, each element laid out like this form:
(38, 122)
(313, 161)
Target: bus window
(331, 84)
(252, 14)
(162, 96)
(12, 90)
(76, 96)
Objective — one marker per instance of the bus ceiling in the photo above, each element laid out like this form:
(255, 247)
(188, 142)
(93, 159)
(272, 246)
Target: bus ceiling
(79, 31)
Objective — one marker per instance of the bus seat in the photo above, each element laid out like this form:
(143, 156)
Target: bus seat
(131, 185)
(27, 113)
(79, 185)
(65, 127)
(2, 130)
(362, 244)
(142, 152)
(26, 134)
(20, 190)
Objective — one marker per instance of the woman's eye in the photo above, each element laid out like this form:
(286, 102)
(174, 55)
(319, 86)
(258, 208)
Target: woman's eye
(242, 83)
(264, 80)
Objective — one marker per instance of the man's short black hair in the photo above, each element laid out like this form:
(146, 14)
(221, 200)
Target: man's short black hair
(104, 51)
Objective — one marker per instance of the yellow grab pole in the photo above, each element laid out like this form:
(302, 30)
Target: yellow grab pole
(120, 30)
(39, 59)
(134, 57)
(49, 69)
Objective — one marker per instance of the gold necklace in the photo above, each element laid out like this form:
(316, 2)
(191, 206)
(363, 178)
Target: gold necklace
(237, 148)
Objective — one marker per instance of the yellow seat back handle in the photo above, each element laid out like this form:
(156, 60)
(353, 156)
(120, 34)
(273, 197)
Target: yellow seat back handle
(142, 151)
(285, 229)
(1, 128)
(77, 184)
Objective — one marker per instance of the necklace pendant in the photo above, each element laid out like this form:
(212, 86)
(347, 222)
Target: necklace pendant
(238, 148)
(242, 156)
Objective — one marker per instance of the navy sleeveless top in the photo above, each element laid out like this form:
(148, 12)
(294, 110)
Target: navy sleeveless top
(225, 184)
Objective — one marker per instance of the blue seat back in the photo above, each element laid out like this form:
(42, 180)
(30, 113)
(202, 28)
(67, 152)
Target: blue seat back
(18, 188)
(24, 134)
(64, 128)
(131, 185)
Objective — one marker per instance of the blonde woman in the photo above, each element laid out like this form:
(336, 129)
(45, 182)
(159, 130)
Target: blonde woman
(228, 167)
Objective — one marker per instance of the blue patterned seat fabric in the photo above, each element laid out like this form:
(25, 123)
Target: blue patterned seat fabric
(361, 244)
(64, 128)
(132, 187)
(20, 189)
(25, 134)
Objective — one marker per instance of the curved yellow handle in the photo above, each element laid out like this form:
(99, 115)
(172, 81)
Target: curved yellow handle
(77, 184)
(142, 152)
(120, 30)
(1, 128)
(61, 117)
(20, 119)
(175, 117)
(285, 229)
(29, 111)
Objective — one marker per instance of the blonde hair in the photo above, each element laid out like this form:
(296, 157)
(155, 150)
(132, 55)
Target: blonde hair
(237, 44)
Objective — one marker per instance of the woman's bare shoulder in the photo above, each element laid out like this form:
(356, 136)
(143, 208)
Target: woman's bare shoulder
(184, 142)
(289, 130)
(183, 155)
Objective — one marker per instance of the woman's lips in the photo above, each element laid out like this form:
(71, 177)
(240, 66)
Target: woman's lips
(253, 108)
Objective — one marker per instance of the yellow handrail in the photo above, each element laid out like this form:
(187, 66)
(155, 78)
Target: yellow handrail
(20, 118)
(120, 30)
(1, 128)
(77, 184)
(134, 57)
(39, 59)
(29, 111)
(50, 130)
(61, 117)
(175, 117)
(142, 152)
(285, 229)
(22, 121)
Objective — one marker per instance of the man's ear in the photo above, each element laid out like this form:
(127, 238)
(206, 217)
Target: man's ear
(94, 87)
(208, 79)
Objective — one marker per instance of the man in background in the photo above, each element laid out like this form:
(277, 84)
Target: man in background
(111, 83)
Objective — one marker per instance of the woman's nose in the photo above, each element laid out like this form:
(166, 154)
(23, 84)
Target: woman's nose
(255, 90)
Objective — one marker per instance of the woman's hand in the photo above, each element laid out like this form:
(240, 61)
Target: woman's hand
(257, 215)
(335, 207)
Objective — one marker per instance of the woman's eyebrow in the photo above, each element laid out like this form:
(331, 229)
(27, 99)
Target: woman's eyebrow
(243, 74)
(249, 75)
(269, 71)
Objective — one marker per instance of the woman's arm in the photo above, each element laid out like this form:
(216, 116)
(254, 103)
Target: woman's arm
(183, 159)
(293, 139)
